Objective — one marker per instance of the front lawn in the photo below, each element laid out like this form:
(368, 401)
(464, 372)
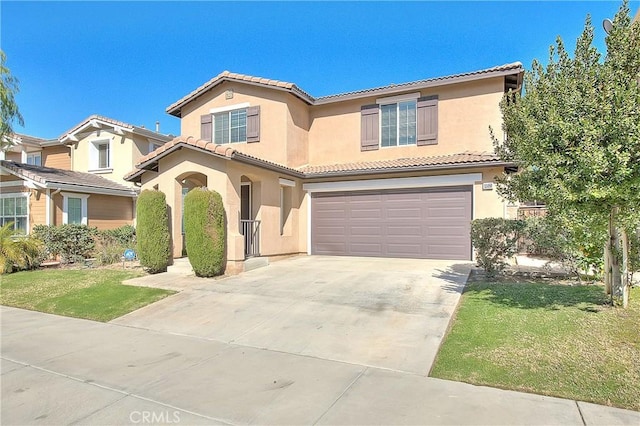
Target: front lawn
(96, 294)
(548, 338)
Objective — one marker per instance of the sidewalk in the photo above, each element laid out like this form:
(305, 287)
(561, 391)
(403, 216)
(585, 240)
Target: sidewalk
(58, 370)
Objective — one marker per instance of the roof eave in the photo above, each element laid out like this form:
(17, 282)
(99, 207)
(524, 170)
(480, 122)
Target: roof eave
(175, 109)
(437, 82)
(387, 170)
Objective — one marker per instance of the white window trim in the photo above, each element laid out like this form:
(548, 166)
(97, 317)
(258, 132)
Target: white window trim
(33, 154)
(94, 156)
(152, 146)
(228, 108)
(65, 206)
(398, 100)
(286, 182)
(19, 194)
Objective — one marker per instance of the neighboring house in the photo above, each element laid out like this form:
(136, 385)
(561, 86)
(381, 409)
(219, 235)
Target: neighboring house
(108, 147)
(77, 178)
(393, 171)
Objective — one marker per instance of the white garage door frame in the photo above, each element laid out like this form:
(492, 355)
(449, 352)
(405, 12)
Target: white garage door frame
(392, 183)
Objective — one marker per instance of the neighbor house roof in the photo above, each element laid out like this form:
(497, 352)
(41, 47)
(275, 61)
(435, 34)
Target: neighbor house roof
(462, 160)
(18, 139)
(50, 178)
(94, 122)
(507, 69)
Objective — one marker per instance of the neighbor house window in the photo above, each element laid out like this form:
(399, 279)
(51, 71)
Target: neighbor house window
(100, 155)
(34, 158)
(230, 126)
(398, 124)
(14, 208)
(74, 208)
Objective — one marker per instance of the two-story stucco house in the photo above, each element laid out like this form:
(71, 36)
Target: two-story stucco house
(76, 178)
(392, 171)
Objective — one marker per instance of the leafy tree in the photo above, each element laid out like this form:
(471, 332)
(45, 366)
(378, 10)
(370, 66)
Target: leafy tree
(575, 135)
(205, 232)
(8, 110)
(152, 233)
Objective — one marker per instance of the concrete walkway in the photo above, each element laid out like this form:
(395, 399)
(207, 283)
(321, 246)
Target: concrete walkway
(58, 370)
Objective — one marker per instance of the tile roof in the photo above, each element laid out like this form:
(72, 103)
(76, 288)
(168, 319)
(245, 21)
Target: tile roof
(224, 151)
(130, 127)
(465, 159)
(514, 66)
(175, 108)
(52, 178)
(462, 159)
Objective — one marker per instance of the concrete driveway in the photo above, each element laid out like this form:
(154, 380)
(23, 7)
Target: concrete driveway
(385, 313)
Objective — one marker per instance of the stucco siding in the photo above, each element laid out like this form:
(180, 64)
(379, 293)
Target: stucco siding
(121, 155)
(465, 112)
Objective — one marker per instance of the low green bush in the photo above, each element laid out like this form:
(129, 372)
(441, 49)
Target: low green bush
(73, 243)
(494, 241)
(205, 232)
(124, 235)
(152, 234)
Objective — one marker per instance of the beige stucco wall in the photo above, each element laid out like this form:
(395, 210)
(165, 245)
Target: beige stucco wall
(465, 112)
(225, 177)
(284, 121)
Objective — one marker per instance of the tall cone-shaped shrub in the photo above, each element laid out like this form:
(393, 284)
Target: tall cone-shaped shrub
(205, 232)
(154, 239)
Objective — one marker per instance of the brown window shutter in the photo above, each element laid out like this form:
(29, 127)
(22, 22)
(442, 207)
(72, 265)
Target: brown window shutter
(205, 127)
(253, 124)
(427, 110)
(369, 130)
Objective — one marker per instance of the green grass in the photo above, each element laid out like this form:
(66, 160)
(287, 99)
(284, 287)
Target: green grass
(547, 338)
(96, 294)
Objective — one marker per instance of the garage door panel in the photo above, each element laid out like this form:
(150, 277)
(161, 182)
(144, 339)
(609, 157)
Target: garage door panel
(418, 223)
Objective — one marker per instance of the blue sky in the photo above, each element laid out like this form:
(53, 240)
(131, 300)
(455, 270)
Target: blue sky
(130, 60)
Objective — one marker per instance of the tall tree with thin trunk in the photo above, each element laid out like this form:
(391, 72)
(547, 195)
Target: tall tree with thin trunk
(8, 109)
(575, 135)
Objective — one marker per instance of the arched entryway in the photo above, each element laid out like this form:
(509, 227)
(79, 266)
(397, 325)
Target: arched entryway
(187, 182)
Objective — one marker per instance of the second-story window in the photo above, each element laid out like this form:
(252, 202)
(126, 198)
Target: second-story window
(99, 155)
(34, 158)
(398, 124)
(230, 126)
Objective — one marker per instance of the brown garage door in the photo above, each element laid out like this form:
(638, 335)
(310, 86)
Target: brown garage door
(429, 223)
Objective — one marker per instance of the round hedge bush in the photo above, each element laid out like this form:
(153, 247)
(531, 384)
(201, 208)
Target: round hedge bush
(205, 232)
(154, 239)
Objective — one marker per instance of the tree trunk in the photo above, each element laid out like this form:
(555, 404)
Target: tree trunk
(626, 277)
(614, 257)
(607, 269)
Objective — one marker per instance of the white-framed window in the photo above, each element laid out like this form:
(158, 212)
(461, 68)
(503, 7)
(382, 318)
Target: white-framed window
(398, 123)
(153, 146)
(34, 158)
(100, 155)
(74, 208)
(14, 208)
(286, 194)
(230, 126)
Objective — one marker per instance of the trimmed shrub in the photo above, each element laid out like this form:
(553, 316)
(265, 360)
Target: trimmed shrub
(154, 239)
(494, 241)
(125, 235)
(205, 232)
(73, 243)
